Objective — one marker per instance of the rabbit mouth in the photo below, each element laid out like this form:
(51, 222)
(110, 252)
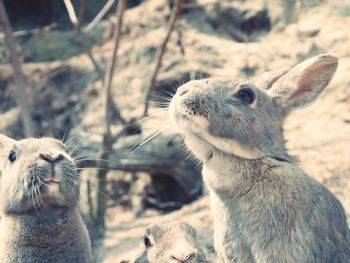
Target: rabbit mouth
(52, 182)
(52, 188)
(193, 123)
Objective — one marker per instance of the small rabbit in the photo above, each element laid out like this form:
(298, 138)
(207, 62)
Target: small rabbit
(265, 208)
(170, 243)
(39, 191)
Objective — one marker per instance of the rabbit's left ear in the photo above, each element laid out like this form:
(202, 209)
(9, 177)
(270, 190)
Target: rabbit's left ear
(304, 82)
(267, 79)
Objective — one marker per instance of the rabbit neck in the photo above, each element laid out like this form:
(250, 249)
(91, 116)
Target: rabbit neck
(231, 176)
(57, 237)
(58, 224)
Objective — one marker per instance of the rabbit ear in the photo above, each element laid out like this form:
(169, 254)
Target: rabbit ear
(304, 82)
(4, 141)
(267, 79)
(6, 144)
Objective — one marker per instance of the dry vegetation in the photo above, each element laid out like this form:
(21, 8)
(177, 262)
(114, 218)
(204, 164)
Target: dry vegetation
(148, 178)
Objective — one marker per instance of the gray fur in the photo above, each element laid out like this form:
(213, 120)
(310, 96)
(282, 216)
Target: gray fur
(265, 208)
(174, 242)
(40, 219)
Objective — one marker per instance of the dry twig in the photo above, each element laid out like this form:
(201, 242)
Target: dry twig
(81, 12)
(199, 5)
(20, 81)
(107, 138)
(99, 16)
(33, 31)
(171, 24)
(82, 36)
(71, 13)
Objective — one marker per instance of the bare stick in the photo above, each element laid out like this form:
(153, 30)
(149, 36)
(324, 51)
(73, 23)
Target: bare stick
(89, 199)
(83, 40)
(197, 5)
(111, 68)
(99, 16)
(107, 138)
(171, 24)
(81, 12)
(82, 37)
(33, 31)
(71, 12)
(20, 82)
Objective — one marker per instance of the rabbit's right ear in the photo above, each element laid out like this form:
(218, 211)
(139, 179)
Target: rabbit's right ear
(5, 141)
(6, 144)
(304, 82)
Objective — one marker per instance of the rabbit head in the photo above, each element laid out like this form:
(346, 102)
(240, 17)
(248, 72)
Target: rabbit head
(243, 118)
(36, 175)
(171, 243)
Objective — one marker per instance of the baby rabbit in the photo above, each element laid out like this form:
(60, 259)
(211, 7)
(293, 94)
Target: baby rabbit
(39, 191)
(265, 208)
(170, 243)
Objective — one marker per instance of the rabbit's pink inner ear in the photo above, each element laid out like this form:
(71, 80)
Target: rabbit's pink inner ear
(303, 83)
(314, 81)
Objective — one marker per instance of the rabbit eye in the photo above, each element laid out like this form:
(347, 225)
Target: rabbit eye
(246, 95)
(147, 242)
(12, 156)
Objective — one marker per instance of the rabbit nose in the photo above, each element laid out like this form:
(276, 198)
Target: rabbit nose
(184, 258)
(51, 157)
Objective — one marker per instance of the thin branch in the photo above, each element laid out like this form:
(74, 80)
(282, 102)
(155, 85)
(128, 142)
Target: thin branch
(110, 71)
(81, 12)
(20, 81)
(33, 31)
(99, 16)
(82, 37)
(71, 12)
(83, 40)
(107, 138)
(199, 5)
(172, 205)
(171, 24)
(89, 199)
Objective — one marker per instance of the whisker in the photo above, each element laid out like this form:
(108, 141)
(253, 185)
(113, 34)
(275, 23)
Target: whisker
(33, 201)
(104, 194)
(75, 148)
(66, 130)
(147, 140)
(70, 140)
(40, 183)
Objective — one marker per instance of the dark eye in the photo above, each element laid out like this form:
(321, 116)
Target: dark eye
(246, 95)
(12, 156)
(147, 242)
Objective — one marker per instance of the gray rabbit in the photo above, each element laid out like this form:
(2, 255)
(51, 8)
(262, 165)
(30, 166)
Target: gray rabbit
(265, 208)
(39, 191)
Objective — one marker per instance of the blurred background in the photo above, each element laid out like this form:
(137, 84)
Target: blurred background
(99, 75)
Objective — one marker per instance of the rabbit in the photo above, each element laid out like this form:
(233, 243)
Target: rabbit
(39, 191)
(171, 242)
(265, 208)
